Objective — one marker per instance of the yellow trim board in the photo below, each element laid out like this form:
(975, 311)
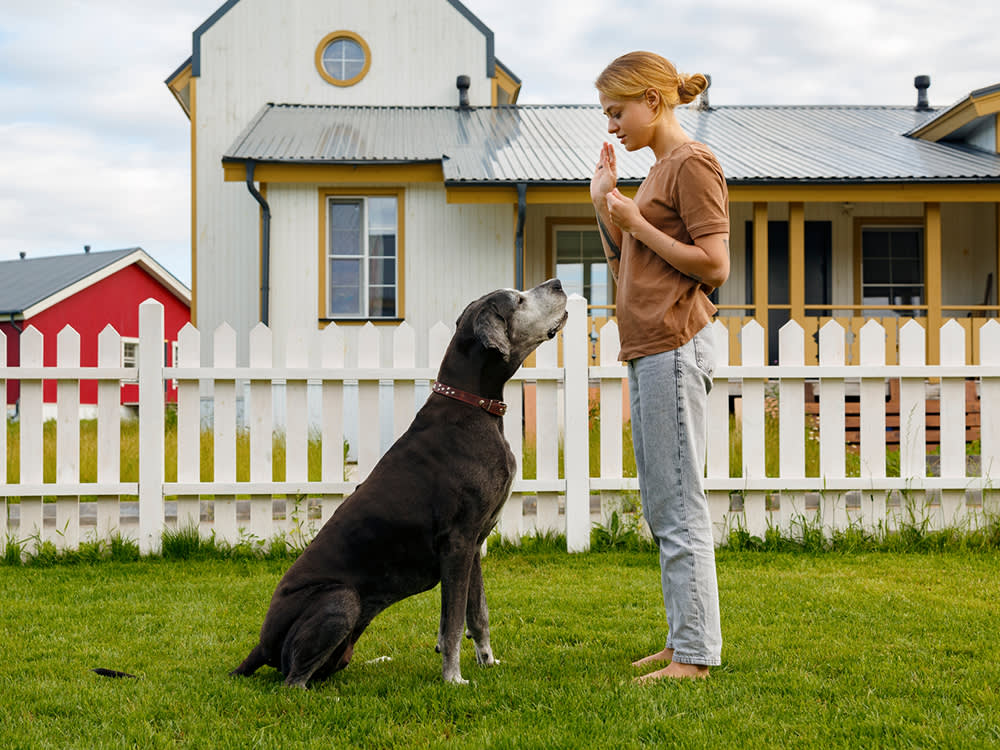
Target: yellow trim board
(181, 86)
(354, 174)
(971, 108)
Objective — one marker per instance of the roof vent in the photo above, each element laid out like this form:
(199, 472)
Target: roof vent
(703, 101)
(463, 83)
(86, 249)
(922, 83)
(23, 255)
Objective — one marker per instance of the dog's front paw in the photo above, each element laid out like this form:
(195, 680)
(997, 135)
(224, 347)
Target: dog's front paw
(456, 680)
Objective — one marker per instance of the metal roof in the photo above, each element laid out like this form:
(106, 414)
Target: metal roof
(559, 143)
(26, 282)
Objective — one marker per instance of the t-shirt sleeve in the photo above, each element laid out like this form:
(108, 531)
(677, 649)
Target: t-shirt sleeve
(702, 197)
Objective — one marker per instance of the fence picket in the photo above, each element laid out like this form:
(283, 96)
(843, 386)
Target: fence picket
(109, 433)
(369, 436)
(68, 439)
(576, 443)
(3, 438)
(791, 421)
(753, 345)
(717, 452)
(989, 409)
(224, 429)
(404, 355)
(611, 418)
(261, 426)
(188, 427)
(912, 397)
(546, 440)
(952, 420)
(32, 419)
(511, 524)
(332, 359)
(872, 422)
(297, 429)
(832, 448)
(151, 448)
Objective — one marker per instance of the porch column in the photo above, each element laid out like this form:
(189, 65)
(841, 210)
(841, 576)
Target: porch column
(932, 278)
(760, 263)
(797, 261)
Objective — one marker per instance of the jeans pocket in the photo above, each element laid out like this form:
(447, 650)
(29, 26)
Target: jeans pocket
(704, 351)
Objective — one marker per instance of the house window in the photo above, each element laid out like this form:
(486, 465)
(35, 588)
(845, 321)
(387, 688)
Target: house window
(892, 268)
(343, 58)
(362, 260)
(130, 352)
(583, 268)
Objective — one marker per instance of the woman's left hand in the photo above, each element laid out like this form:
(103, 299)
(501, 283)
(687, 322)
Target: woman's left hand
(624, 212)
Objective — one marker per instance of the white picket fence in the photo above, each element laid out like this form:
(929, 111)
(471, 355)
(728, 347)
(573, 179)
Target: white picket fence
(561, 497)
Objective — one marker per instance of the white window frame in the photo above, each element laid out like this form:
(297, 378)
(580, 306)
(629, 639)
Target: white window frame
(364, 256)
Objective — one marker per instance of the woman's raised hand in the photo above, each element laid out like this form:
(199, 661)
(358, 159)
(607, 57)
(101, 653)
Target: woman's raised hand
(605, 175)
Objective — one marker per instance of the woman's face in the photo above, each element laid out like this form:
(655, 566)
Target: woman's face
(630, 120)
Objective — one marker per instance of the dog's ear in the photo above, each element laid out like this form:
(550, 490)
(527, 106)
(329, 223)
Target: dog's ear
(491, 330)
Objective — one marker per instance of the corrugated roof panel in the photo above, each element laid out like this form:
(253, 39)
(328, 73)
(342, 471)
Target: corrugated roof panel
(560, 143)
(28, 281)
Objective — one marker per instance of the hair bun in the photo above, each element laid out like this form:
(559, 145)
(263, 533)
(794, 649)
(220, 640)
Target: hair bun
(690, 86)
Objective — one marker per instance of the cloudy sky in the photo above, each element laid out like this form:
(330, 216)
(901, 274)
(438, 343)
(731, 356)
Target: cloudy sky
(94, 149)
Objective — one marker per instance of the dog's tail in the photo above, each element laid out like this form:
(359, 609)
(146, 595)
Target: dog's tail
(113, 673)
(254, 661)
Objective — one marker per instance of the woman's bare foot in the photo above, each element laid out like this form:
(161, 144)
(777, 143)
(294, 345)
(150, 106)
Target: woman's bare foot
(676, 671)
(665, 655)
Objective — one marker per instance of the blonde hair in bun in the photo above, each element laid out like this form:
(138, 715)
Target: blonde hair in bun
(634, 73)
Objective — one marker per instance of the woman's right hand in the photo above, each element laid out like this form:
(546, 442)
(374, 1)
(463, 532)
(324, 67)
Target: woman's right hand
(605, 177)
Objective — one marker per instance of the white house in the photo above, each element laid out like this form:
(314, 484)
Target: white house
(357, 162)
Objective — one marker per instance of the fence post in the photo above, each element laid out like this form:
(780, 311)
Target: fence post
(3, 441)
(576, 450)
(151, 441)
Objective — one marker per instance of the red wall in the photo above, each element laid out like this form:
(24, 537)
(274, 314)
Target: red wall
(112, 301)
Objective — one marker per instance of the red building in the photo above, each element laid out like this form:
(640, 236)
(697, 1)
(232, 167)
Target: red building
(88, 291)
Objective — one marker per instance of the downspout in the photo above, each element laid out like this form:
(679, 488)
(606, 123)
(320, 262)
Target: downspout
(522, 196)
(265, 251)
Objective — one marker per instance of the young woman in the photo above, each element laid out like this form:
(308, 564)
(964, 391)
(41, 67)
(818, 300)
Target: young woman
(668, 249)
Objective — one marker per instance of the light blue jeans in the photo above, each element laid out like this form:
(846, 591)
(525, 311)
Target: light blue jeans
(668, 394)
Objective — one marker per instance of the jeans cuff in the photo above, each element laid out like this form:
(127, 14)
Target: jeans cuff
(702, 661)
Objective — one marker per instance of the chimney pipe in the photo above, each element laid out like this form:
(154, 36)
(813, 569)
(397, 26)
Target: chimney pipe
(23, 254)
(703, 101)
(86, 249)
(922, 83)
(463, 83)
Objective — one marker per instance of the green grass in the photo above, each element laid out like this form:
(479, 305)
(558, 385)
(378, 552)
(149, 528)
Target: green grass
(879, 650)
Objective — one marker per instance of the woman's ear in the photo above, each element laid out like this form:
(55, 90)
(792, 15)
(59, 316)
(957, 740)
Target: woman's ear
(652, 98)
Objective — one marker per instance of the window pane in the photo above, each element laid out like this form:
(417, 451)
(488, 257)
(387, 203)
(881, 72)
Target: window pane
(382, 302)
(907, 295)
(571, 276)
(875, 243)
(382, 215)
(382, 271)
(567, 244)
(382, 245)
(345, 228)
(906, 245)
(907, 271)
(599, 287)
(345, 272)
(343, 59)
(877, 271)
(591, 245)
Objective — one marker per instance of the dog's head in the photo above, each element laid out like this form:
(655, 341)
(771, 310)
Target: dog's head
(514, 323)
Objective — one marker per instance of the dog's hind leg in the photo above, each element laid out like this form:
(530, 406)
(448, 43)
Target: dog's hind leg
(477, 615)
(321, 636)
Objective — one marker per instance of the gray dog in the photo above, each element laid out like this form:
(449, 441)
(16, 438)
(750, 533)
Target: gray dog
(423, 513)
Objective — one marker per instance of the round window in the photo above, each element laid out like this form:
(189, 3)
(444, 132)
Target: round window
(343, 58)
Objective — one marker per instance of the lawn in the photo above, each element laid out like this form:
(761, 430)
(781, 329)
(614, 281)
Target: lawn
(828, 650)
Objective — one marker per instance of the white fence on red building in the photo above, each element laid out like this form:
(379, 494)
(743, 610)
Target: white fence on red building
(313, 377)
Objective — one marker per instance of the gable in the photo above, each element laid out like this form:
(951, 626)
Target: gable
(973, 120)
(417, 51)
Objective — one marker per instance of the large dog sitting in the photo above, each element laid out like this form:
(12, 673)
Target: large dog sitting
(423, 513)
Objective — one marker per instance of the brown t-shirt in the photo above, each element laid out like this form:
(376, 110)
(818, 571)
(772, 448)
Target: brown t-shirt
(659, 308)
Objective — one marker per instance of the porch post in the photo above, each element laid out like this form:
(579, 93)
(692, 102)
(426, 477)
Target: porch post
(797, 261)
(760, 263)
(932, 278)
